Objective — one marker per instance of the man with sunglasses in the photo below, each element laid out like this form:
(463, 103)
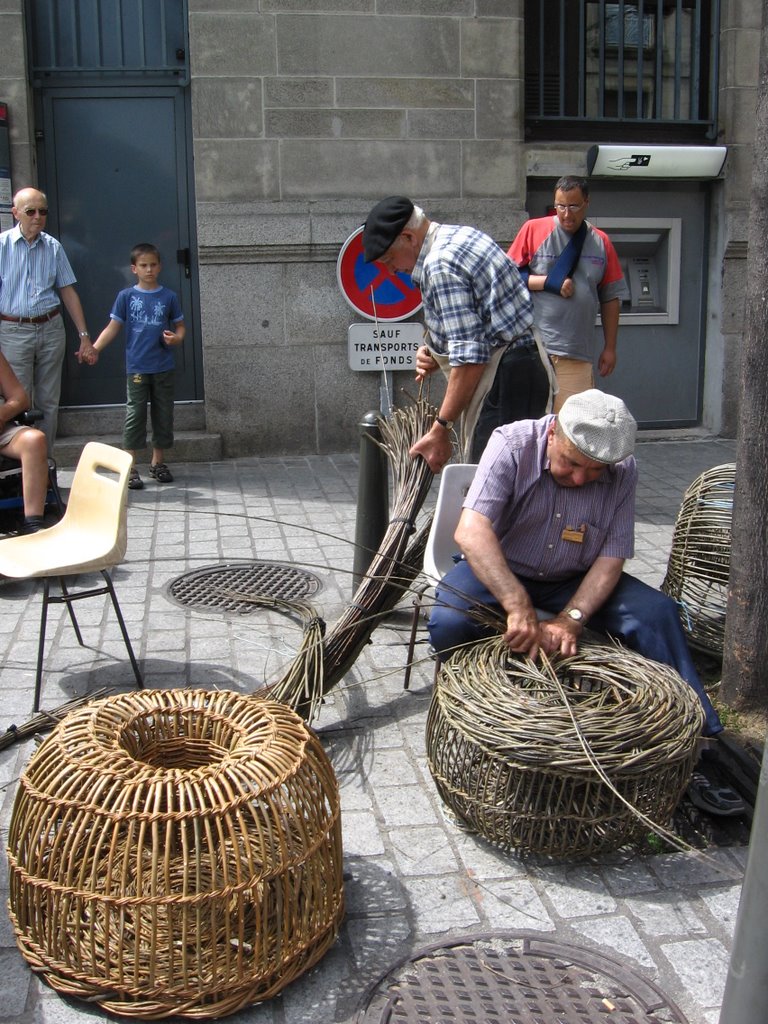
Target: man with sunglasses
(35, 279)
(572, 271)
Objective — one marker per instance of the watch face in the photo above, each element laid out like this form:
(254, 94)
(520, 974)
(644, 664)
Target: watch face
(575, 614)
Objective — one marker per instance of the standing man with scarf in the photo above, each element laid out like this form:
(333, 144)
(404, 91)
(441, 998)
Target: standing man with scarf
(479, 317)
(572, 271)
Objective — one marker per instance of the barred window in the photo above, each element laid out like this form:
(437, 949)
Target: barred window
(621, 70)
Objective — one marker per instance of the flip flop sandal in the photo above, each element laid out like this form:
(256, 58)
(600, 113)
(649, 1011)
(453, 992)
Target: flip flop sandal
(714, 798)
(135, 483)
(161, 473)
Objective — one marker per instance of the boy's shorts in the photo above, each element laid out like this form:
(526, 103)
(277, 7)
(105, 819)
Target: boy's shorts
(155, 389)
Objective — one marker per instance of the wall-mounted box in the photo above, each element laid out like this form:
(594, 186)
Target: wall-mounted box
(649, 251)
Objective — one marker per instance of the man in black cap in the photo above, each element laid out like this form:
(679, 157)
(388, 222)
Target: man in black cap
(479, 316)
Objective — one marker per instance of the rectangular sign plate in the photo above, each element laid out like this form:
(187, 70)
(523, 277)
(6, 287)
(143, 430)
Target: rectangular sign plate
(384, 346)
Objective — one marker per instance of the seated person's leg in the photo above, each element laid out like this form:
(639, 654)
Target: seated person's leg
(29, 446)
(453, 621)
(649, 622)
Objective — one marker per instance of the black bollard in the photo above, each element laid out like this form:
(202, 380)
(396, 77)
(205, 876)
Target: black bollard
(372, 497)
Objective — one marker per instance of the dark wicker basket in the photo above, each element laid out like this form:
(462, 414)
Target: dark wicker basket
(700, 557)
(563, 765)
(176, 852)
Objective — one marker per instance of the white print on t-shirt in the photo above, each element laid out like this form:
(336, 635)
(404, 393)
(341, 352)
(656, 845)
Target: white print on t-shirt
(139, 315)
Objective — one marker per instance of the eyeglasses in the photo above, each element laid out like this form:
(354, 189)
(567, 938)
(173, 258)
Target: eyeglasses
(31, 211)
(570, 207)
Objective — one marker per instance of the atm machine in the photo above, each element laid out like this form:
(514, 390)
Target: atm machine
(649, 253)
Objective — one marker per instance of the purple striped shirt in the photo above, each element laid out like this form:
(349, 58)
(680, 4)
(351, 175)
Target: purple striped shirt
(529, 510)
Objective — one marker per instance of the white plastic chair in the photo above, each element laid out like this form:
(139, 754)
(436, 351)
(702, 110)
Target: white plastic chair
(455, 481)
(91, 537)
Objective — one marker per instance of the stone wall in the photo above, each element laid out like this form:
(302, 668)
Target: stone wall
(15, 91)
(304, 115)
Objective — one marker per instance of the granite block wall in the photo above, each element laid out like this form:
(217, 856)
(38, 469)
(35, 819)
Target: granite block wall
(304, 115)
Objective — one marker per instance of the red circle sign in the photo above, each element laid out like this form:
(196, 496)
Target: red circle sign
(370, 289)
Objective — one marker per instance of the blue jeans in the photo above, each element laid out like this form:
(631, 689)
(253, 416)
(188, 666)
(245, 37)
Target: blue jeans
(643, 618)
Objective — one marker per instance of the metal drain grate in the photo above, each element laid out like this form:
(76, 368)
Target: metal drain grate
(227, 587)
(506, 977)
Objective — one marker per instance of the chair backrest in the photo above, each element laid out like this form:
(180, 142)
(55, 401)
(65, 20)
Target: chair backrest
(92, 535)
(441, 547)
(98, 499)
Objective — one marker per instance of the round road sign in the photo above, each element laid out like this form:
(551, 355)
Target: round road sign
(370, 289)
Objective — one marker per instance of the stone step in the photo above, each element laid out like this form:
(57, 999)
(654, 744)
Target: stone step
(189, 446)
(77, 426)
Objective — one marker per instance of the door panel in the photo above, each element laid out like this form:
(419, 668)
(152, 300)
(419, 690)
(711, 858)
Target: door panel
(114, 166)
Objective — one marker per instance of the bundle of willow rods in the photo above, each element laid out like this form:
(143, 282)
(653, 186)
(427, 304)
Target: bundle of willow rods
(396, 564)
(700, 557)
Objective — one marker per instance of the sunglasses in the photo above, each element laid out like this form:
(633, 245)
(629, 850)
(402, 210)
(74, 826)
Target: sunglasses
(31, 211)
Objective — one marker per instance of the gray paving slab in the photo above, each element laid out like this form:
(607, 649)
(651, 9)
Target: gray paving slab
(412, 876)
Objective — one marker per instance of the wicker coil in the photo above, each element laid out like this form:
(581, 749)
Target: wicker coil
(700, 557)
(512, 747)
(176, 852)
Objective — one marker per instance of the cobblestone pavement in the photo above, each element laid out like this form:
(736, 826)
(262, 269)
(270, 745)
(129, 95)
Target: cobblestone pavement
(412, 877)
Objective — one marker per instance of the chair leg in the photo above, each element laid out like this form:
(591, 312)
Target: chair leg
(41, 644)
(412, 641)
(123, 630)
(53, 488)
(68, 602)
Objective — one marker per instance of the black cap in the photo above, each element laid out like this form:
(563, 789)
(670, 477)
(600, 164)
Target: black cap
(384, 223)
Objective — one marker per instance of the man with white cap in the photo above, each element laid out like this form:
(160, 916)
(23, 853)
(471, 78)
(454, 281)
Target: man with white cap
(548, 523)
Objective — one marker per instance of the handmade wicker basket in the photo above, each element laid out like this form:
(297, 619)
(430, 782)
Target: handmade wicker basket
(176, 852)
(700, 557)
(561, 762)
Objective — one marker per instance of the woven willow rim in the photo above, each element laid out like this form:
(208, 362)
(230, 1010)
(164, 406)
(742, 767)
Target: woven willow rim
(633, 713)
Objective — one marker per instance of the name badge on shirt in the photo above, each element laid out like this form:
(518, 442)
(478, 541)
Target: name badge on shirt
(574, 534)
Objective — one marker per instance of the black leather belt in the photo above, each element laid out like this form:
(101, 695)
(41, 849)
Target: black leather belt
(32, 319)
(522, 343)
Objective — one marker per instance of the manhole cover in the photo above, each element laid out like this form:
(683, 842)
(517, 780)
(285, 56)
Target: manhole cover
(233, 586)
(512, 977)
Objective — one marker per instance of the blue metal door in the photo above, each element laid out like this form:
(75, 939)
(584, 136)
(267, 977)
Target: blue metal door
(115, 169)
(111, 83)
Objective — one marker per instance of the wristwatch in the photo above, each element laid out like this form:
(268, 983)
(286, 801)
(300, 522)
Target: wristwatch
(576, 615)
(443, 422)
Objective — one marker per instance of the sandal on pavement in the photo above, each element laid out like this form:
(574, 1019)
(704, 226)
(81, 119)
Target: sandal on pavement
(135, 483)
(161, 473)
(714, 798)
